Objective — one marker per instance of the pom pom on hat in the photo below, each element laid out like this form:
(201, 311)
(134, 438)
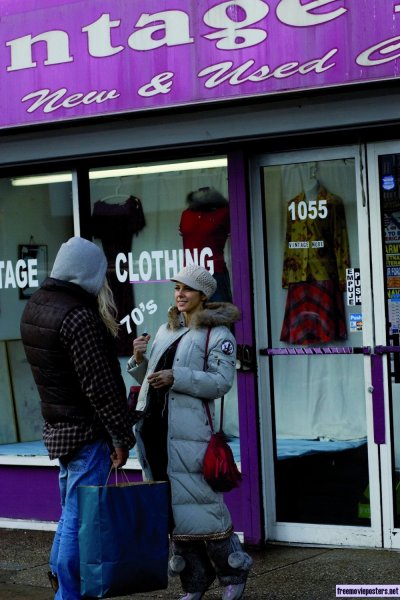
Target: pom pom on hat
(197, 278)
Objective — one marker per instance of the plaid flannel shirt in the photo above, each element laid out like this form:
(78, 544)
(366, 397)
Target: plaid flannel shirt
(82, 337)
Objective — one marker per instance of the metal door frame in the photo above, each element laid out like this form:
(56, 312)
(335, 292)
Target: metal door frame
(301, 532)
(391, 537)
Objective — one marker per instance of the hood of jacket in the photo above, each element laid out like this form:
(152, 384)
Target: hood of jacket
(81, 262)
(213, 315)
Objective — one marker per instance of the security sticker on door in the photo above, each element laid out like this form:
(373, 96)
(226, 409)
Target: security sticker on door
(394, 313)
(356, 322)
(353, 285)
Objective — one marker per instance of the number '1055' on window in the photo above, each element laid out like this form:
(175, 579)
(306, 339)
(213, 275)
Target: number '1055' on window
(308, 210)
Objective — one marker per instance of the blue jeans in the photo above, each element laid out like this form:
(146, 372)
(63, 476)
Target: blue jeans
(89, 466)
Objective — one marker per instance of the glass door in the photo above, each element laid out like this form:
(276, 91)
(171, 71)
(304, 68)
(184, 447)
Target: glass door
(315, 339)
(384, 188)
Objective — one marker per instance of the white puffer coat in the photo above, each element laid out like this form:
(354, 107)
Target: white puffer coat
(199, 512)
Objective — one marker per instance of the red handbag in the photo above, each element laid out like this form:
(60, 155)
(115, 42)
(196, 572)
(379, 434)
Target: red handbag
(219, 467)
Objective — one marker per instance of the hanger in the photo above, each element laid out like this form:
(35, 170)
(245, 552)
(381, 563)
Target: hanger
(116, 194)
(313, 171)
(309, 181)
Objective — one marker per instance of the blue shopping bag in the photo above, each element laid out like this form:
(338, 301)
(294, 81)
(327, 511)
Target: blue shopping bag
(123, 538)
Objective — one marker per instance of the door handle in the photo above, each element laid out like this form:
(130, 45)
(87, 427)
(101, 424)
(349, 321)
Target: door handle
(319, 350)
(378, 402)
(395, 350)
(245, 358)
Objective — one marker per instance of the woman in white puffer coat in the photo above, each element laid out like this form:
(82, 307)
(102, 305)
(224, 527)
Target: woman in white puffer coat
(173, 433)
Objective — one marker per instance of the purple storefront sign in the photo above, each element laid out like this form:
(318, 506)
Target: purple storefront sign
(79, 58)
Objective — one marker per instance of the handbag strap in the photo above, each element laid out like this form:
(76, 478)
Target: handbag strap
(117, 471)
(221, 419)
(206, 348)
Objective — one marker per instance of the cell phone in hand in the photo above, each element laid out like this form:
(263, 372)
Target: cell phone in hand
(144, 334)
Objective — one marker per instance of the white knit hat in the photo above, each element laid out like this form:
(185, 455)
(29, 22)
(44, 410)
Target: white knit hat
(82, 262)
(197, 278)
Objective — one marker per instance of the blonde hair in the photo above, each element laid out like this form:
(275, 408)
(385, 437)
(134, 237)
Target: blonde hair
(108, 309)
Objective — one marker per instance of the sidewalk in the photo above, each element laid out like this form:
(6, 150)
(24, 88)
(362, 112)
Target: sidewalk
(279, 572)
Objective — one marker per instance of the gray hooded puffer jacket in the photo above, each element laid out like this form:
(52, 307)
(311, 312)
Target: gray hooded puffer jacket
(199, 512)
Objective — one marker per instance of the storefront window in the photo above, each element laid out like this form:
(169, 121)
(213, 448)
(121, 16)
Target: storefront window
(319, 403)
(35, 218)
(151, 220)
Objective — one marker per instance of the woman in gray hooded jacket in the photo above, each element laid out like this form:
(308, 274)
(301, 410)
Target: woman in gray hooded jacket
(173, 433)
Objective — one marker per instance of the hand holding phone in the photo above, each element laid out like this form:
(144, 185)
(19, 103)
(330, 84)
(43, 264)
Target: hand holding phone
(140, 346)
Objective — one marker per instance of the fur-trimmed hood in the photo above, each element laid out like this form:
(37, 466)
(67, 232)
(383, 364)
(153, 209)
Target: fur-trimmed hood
(213, 315)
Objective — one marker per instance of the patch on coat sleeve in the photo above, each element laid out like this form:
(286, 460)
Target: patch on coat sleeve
(227, 347)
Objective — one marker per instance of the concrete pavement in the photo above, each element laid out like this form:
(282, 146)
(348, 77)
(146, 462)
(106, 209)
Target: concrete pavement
(279, 572)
